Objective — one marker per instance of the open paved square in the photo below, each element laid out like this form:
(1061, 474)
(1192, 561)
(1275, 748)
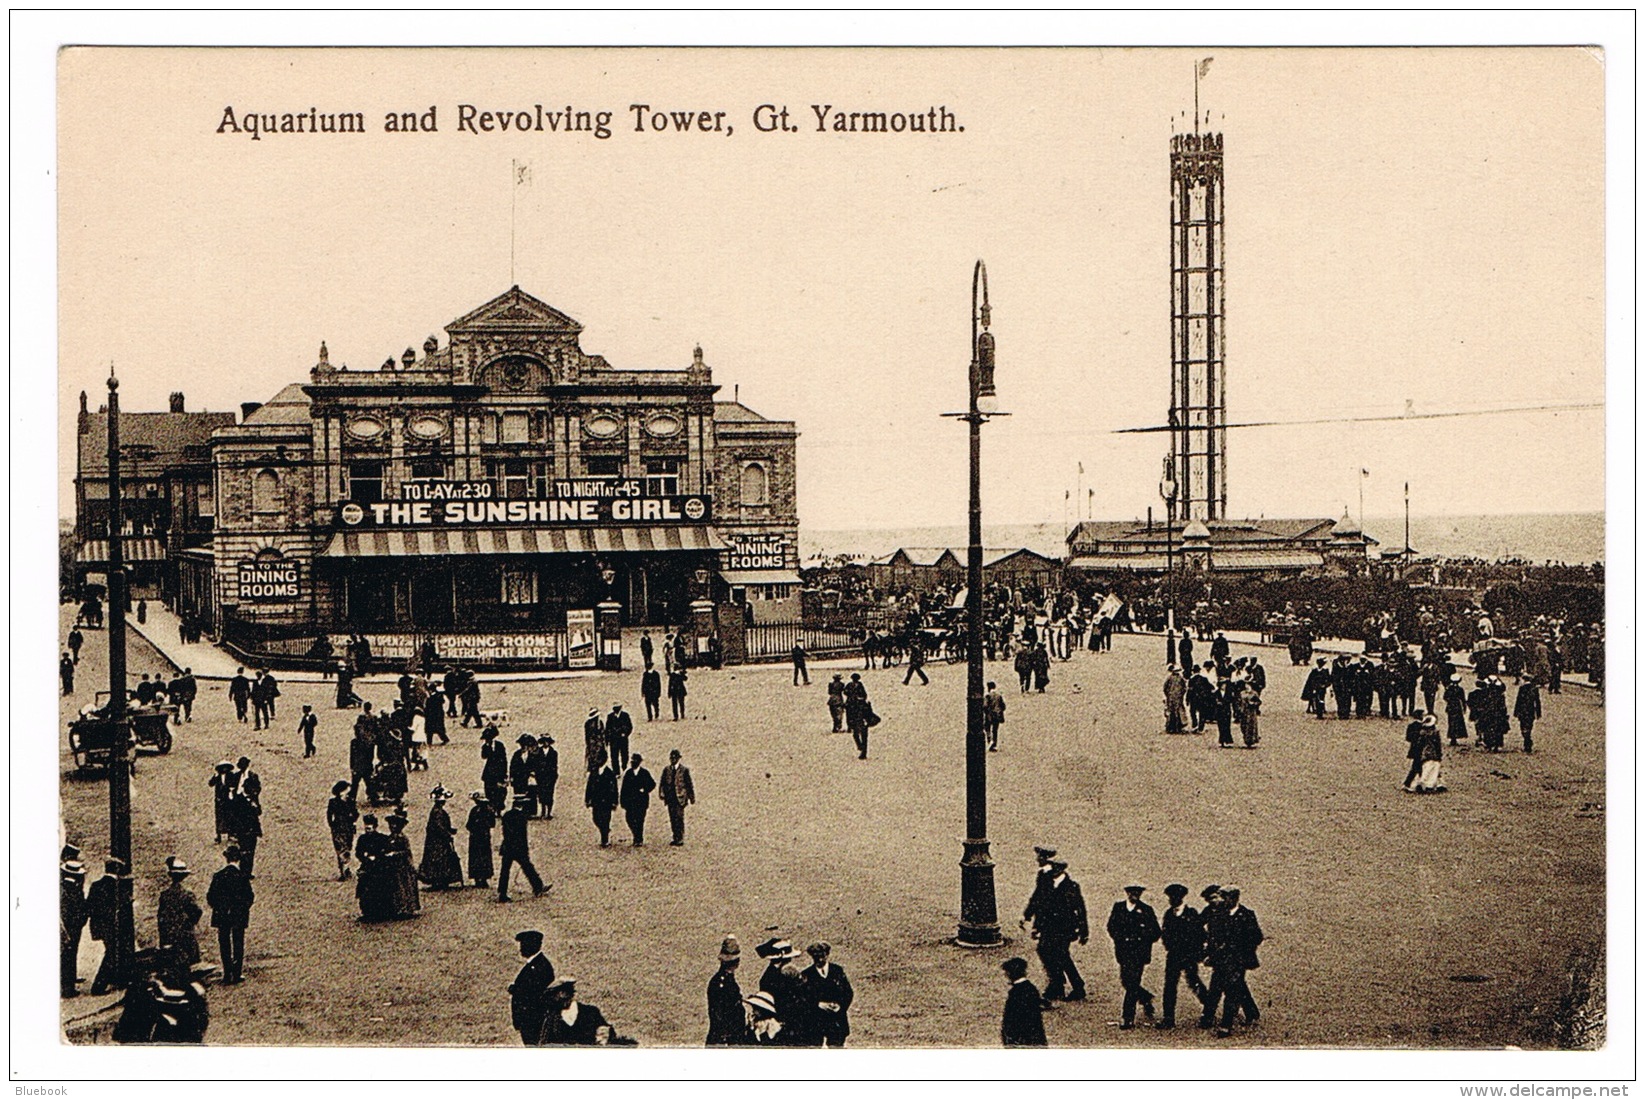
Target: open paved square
(1454, 920)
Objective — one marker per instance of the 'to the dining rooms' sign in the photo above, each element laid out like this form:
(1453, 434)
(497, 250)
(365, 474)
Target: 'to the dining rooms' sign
(269, 580)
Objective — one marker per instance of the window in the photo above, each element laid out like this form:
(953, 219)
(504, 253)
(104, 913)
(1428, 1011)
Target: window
(428, 468)
(516, 478)
(756, 491)
(516, 427)
(662, 477)
(365, 482)
(265, 492)
(206, 499)
(603, 465)
(519, 586)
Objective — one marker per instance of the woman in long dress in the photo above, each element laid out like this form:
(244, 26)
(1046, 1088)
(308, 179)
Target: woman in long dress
(481, 820)
(373, 885)
(402, 875)
(440, 868)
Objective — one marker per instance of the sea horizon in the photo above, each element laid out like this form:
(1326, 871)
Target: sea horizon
(1572, 538)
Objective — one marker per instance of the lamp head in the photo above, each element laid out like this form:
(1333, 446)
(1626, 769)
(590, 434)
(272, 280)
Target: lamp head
(987, 403)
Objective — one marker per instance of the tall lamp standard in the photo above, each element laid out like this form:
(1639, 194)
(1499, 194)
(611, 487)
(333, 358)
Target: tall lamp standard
(124, 945)
(979, 919)
(1168, 492)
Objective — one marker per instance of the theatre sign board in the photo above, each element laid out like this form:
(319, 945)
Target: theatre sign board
(552, 512)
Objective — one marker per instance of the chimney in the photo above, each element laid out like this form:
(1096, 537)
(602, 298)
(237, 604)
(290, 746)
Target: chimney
(176, 402)
(247, 408)
(408, 358)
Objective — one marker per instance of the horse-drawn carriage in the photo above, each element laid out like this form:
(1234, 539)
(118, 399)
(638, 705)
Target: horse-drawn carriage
(92, 735)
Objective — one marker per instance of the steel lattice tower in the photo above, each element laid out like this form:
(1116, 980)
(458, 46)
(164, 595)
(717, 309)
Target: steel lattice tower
(1198, 393)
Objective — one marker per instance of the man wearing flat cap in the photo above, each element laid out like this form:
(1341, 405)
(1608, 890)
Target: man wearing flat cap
(528, 995)
(1182, 932)
(726, 1020)
(1134, 929)
(1059, 920)
(1232, 936)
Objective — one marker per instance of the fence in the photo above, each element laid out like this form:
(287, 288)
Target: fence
(775, 641)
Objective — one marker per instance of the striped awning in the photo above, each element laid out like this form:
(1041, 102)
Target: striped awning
(530, 540)
(133, 549)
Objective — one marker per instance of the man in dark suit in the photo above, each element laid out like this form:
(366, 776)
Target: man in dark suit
(619, 725)
(600, 796)
(1133, 928)
(239, 693)
(528, 995)
(103, 909)
(1023, 1024)
(231, 898)
(1182, 933)
(1059, 920)
(516, 848)
(636, 798)
(1231, 939)
(827, 997)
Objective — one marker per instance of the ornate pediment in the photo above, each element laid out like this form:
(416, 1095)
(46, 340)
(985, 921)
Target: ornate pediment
(515, 311)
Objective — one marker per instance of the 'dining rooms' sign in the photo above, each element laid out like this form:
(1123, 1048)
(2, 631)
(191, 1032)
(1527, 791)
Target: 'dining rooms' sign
(269, 580)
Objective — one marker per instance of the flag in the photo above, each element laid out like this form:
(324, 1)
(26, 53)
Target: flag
(1204, 67)
(1066, 493)
(1363, 472)
(522, 174)
(1082, 467)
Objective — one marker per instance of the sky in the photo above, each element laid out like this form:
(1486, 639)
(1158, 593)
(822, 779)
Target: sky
(1404, 225)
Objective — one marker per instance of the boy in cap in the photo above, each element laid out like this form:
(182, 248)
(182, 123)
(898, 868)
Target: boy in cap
(726, 1022)
(1182, 932)
(1134, 929)
(306, 726)
(1023, 1024)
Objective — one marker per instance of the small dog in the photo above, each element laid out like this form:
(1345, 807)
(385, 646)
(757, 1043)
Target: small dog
(497, 718)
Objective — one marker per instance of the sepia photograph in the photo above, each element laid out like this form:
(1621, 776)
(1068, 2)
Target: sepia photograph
(895, 549)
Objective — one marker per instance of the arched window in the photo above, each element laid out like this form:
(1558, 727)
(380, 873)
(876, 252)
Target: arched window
(756, 485)
(265, 491)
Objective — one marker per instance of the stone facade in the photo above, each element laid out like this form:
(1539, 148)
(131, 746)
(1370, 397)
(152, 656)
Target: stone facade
(495, 483)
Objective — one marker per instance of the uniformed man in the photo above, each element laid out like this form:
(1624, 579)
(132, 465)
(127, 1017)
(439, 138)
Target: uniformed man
(528, 994)
(1182, 933)
(1231, 939)
(1134, 929)
(1058, 920)
(726, 1020)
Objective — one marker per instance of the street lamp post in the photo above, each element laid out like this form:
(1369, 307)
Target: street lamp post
(1168, 491)
(979, 919)
(124, 944)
